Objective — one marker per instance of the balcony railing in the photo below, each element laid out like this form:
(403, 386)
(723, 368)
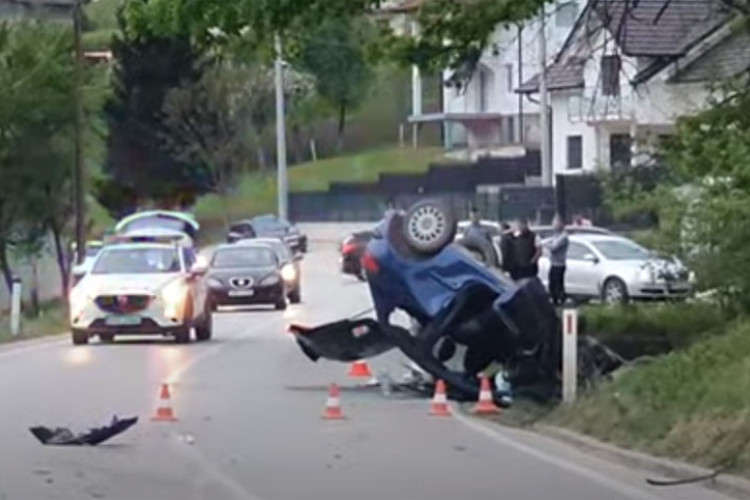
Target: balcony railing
(591, 107)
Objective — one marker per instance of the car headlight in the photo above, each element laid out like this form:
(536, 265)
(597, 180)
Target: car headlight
(270, 280)
(173, 295)
(79, 297)
(647, 275)
(288, 273)
(214, 283)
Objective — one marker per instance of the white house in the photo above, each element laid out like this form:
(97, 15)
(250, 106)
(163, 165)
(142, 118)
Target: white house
(622, 78)
(483, 110)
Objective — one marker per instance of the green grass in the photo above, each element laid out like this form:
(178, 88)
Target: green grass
(691, 404)
(52, 320)
(256, 192)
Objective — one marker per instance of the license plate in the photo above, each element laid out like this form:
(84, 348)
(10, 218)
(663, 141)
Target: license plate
(123, 320)
(241, 293)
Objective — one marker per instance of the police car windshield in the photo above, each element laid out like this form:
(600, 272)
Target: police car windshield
(137, 261)
(243, 257)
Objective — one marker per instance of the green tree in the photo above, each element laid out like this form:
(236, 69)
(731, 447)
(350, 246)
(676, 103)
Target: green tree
(209, 122)
(335, 54)
(149, 66)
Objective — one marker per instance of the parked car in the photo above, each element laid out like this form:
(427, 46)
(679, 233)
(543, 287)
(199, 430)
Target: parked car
(351, 250)
(478, 248)
(245, 274)
(466, 315)
(137, 288)
(268, 226)
(291, 269)
(616, 269)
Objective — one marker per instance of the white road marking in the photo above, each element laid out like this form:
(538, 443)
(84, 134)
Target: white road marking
(589, 474)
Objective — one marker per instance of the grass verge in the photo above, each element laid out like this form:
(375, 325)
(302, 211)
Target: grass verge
(52, 320)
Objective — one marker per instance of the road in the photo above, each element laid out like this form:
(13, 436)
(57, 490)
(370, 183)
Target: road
(249, 406)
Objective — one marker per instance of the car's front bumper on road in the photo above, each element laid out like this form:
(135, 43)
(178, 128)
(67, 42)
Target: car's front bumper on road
(659, 290)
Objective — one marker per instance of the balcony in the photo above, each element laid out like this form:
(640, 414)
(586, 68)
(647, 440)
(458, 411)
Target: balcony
(596, 108)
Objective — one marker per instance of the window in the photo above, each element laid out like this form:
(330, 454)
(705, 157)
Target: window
(566, 14)
(482, 91)
(610, 75)
(577, 251)
(575, 152)
(509, 77)
(620, 152)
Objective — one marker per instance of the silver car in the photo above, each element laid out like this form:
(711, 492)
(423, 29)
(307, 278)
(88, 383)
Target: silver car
(616, 269)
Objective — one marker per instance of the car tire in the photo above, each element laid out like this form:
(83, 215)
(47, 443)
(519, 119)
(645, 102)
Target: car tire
(295, 297)
(429, 226)
(182, 335)
(280, 305)
(614, 291)
(481, 249)
(107, 338)
(204, 328)
(79, 337)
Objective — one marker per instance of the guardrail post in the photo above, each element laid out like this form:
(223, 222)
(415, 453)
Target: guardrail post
(15, 307)
(570, 354)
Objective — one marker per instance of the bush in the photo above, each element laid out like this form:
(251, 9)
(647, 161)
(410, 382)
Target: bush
(651, 329)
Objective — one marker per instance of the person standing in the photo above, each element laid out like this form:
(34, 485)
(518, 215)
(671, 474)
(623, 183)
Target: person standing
(475, 228)
(526, 248)
(558, 253)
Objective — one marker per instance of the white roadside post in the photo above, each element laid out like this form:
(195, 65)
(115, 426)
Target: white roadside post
(570, 354)
(15, 307)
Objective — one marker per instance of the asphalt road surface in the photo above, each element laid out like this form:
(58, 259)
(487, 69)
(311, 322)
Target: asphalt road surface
(249, 406)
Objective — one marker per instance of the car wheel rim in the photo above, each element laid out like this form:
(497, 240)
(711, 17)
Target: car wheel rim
(427, 224)
(613, 294)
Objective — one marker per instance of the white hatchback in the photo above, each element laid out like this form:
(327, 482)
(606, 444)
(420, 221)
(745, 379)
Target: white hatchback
(141, 289)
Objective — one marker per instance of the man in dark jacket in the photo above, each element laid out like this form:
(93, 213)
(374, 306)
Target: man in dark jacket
(525, 250)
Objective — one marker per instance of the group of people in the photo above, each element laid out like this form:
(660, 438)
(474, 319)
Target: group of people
(521, 248)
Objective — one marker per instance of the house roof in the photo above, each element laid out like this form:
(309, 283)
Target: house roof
(660, 29)
(726, 59)
(561, 75)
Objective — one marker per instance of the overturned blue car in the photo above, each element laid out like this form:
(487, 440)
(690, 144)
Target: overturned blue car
(466, 316)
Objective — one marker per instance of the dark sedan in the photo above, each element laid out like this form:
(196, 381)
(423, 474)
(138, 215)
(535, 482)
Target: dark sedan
(291, 270)
(245, 274)
(268, 226)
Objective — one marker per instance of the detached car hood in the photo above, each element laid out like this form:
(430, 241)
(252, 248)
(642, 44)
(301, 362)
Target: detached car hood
(97, 284)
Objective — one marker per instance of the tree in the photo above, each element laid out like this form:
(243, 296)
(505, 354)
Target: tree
(36, 82)
(209, 122)
(149, 66)
(334, 53)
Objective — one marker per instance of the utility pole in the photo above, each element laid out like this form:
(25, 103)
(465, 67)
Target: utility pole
(544, 105)
(280, 133)
(78, 173)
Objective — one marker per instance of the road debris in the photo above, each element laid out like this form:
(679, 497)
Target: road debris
(62, 436)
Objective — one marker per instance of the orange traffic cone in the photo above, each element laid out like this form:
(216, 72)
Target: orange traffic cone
(164, 412)
(360, 369)
(333, 407)
(485, 405)
(439, 406)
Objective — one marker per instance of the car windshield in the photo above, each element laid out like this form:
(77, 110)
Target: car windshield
(243, 257)
(621, 250)
(137, 261)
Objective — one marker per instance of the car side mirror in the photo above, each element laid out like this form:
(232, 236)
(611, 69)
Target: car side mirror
(590, 257)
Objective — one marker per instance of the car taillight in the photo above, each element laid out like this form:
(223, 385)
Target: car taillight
(369, 263)
(348, 248)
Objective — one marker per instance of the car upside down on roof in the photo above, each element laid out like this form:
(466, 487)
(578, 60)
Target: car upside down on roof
(467, 316)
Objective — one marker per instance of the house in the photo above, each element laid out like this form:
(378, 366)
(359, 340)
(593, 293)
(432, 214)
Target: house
(481, 109)
(628, 70)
